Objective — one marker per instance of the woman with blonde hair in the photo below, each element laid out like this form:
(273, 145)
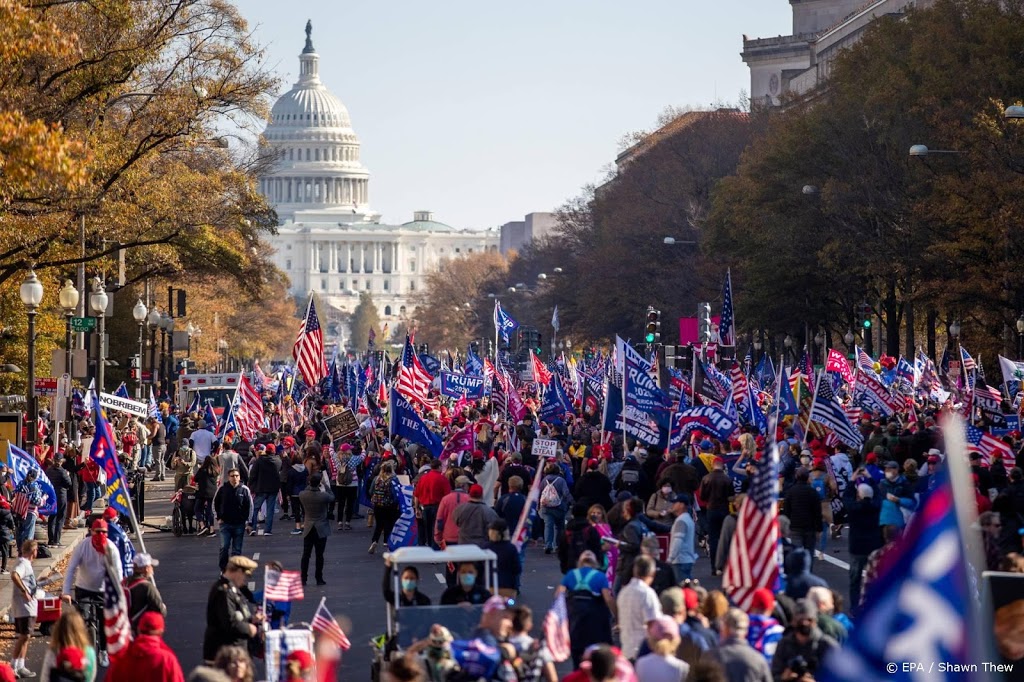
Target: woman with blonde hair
(69, 632)
(235, 662)
(662, 663)
(596, 518)
(385, 498)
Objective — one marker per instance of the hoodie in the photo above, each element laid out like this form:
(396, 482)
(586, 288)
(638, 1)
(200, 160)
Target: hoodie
(146, 658)
(799, 578)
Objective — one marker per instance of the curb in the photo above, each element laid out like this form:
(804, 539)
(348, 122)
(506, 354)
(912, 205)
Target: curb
(43, 567)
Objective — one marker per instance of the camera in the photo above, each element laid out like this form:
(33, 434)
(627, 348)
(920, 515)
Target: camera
(797, 665)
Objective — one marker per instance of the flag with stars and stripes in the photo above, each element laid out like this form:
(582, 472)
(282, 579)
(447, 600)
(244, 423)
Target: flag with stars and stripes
(308, 350)
(864, 361)
(988, 446)
(755, 551)
(828, 412)
(727, 323)
(324, 624)
(122, 391)
(413, 381)
(249, 413)
(969, 363)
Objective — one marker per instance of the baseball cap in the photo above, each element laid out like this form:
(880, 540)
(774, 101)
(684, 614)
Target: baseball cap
(303, 658)
(592, 463)
(151, 623)
(706, 445)
(498, 603)
(476, 491)
(271, 449)
(99, 525)
(891, 465)
(461, 481)
(110, 513)
(680, 497)
(762, 600)
(143, 560)
(691, 599)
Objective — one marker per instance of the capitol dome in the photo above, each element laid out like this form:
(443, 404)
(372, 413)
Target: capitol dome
(316, 151)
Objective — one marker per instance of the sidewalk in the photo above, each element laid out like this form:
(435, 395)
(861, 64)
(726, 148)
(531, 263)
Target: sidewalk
(43, 567)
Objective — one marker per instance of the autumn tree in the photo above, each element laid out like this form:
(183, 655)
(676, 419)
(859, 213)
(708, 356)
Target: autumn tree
(364, 318)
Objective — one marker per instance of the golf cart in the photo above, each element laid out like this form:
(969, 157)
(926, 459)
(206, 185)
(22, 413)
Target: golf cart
(408, 624)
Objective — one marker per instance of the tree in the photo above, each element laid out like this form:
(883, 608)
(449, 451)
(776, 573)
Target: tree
(454, 307)
(364, 318)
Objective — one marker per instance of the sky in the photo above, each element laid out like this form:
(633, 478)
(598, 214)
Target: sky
(483, 112)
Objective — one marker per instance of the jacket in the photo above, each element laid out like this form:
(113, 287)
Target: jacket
(147, 658)
(740, 661)
(314, 504)
(418, 599)
(445, 530)
(298, 476)
(232, 505)
(142, 597)
(813, 651)
(803, 507)
(593, 487)
(510, 508)
(206, 484)
(472, 519)
(265, 475)
(510, 564)
(629, 543)
(799, 578)
(61, 482)
(862, 517)
(715, 491)
(228, 616)
(561, 487)
(891, 513)
(578, 537)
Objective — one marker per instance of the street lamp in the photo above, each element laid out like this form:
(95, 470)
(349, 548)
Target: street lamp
(222, 348)
(542, 276)
(1014, 111)
(68, 298)
(672, 241)
(166, 350)
(154, 323)
(954, 329)
(788, 343)
(31, 296)
(923, 150)
(139, 313)
(810, 190)
(98, 300)
(848, 338)
(558, 271)
(1020, 336)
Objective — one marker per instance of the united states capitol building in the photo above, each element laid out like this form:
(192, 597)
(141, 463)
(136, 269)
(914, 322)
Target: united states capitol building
(330, 241)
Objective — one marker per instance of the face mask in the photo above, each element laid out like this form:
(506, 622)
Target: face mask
(804, 628)
(596, 518)
(467, 579)
(890, 476)
(409, 585)
(99, 542)
(666, 491)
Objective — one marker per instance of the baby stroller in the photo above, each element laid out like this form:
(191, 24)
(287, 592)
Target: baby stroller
(183, 512)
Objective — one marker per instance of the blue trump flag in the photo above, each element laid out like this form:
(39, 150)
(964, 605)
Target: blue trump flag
(193, 407)
(705, 418)
(787, 401)
(503, 322)
(407, 424)
(104, 453)
(649, 429)
(21, 463)
(122, 391)
(210, 417)
(455, 385)
(474, 365)
(556, 403)
(641, 390)
(916, 623)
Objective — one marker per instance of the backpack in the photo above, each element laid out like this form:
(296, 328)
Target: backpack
(383, 496)
(549, 497)
(629, 478)
(344, 475)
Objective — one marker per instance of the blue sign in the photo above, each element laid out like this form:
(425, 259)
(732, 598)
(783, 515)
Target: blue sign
(705, 418)
(21, 463)
(455, 385)
(407, 424)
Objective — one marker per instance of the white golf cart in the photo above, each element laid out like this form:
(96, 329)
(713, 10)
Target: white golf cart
(408, 624)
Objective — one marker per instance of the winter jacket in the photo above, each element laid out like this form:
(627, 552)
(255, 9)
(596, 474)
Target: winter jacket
(147, 658)
(472, 519)
(228, 615)
(803, 507)
(265, 475)
(510, 564)
(799, 578)
(862, 517)
(578, 537)
(715, 491)
(233, 505)
(740, 661)
(813, 651)
(593, 487)
(206, 484)
(891, 513)
(61, 482)
(298, 476)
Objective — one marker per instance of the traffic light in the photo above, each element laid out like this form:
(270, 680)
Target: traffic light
(704, 322)
(652, 331)
(865, 316)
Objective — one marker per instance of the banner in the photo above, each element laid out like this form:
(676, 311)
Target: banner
(407, 424)
(705, 418)
(455, 385)
(115, 402)
(404, 532)
(21, 463)
(641, 390)
(837, 362)
(556, 403)
(638, 425)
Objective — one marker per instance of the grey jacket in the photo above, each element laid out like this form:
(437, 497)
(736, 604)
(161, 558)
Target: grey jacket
(314, 503)
(740, 661)
(472, 519)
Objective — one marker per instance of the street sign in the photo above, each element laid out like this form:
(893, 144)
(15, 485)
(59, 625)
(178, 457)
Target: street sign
(46, 386)
(83, 324)
(543, 447)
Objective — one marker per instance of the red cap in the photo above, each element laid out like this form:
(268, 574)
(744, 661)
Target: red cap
(345, 447)
(933, 459)
(478, 454)
(311, 433)
(718, 460)
(690, 599)
(288, 441)
(151, 623)
(592, 463)
(871, 458)
(71, 658)
(99, 524)
(271, 449)
(763, 600)
(303, 658)
(476, 491)
(110, 513)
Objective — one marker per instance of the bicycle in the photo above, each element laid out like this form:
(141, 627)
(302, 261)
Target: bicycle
(91, 609)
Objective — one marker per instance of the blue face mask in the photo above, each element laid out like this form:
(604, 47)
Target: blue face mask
(409, 585)
(467, 579)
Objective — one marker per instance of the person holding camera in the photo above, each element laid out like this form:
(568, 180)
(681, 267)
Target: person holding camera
(804, 640)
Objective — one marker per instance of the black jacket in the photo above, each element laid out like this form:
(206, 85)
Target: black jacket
(862, 517)
(265, 475)
(593, 487)
(228, 616)
(813, 651)
(61, 482)
(578, 537)
(206, 484)
(232, 505)
(803, 507)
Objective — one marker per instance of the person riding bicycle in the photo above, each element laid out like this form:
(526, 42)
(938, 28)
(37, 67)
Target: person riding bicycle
(89, 566)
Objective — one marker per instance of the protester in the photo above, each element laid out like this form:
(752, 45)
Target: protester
(232, 505)
(738, 659)
(637, 605)
(799, 579)
(510, 565)
(445, 530)
(804, 639)
(316, 527)
(147, 657)
(23, 605)
(467, 589)
(230, 619)
(386, 501)
(555, 501)
(236, 664)
(143, 596)
(473, 518)
(590, 605)
(206, 479)
(69, 632)
(682, 554)
(346, 491)
(580, 535)
(764, 631)
(631, 536)
(183, 463)
(61, 482)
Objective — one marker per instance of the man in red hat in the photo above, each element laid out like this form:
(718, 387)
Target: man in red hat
(86, 571)
(148, 657)
(299, 666)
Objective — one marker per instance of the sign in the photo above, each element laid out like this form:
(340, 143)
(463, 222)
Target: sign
(341, 425)
(46, 386)
(280, 643)
(543, 447)
(113, 402)
(133, 362)
(455, 385)
(10, 430)
(83, 324)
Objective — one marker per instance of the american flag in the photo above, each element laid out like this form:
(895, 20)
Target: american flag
(249, 413)
(308, 350)
(969, 363)
(20, 505)
(864, 361)
(259, 379)
(154, 409)
(726, 324)
(282, 585)
(325, 624)
(556, 630)
(829, 412)
(413, 380)
(754, 553)
(541, 374)
(116, 625)
(988, 446)
(122, 391)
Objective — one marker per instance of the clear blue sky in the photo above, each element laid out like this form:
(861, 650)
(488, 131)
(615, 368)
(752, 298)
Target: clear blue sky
(483, 111)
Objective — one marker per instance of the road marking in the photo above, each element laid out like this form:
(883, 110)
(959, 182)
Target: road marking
(255, 556)
(440, 578)
(835, 562)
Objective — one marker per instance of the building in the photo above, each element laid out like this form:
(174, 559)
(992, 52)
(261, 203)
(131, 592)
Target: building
(518, 233)
(330, 241)
(796, 64)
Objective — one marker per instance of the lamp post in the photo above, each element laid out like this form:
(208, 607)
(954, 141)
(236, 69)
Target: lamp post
(758, 345)
(222, 349)
(31, 296)
(139, 312)
(166, 355)
(98, 302)
(154, 324)
(68, 297)
(819, 341)
(954, 333)
(848, 338)
(788, 343)
(1020, 336)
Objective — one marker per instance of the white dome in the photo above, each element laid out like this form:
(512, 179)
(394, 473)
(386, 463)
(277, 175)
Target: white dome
(305, 106)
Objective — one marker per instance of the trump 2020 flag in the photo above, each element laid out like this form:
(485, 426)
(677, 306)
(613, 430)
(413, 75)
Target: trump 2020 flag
(21, 463)
(104, 453)
(503, 322)
(914, 626)
(407, 424)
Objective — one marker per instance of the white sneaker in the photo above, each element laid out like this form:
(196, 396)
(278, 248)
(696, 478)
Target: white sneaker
(102, 659)
(24, 673)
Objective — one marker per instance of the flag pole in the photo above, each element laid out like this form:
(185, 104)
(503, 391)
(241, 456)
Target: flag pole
(810, 415)
(266, 568)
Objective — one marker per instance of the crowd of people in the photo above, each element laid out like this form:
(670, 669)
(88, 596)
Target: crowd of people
(628, 524)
